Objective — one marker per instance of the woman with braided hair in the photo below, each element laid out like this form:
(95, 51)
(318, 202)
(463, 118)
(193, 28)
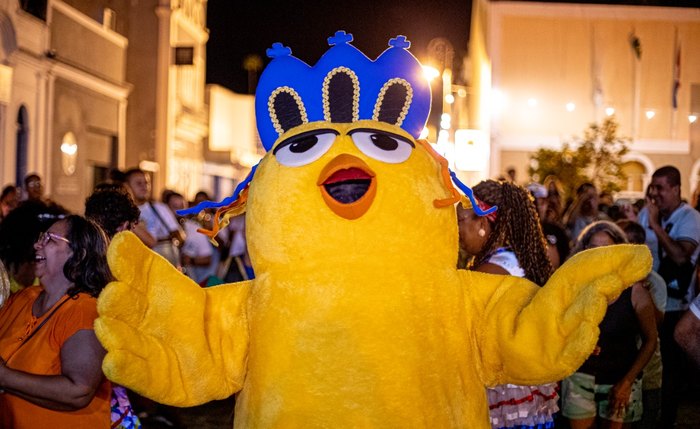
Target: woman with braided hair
(509, 241)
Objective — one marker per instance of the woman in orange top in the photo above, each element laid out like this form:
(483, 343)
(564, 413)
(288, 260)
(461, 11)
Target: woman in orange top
(50, 359)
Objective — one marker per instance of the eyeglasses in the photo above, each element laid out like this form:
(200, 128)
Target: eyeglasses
(34, 184)
(45, 237)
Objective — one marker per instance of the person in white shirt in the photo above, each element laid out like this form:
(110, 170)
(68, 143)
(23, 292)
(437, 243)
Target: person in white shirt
(672, 235)
(157, 217)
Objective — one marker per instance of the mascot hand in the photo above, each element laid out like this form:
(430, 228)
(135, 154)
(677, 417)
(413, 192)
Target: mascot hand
(556, 328)
(164, 334)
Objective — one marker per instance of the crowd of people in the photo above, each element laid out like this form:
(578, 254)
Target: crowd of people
(50, 359)
(636, 374)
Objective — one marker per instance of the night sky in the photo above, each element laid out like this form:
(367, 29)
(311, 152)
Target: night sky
(238, 29)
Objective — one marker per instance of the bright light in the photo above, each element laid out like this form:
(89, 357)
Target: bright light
(69, 148)
(430, 72)
(445, 121)
(650, 114)
(445, 148)
(609, 111)
(570, 107)
(532, 102)
(471, 150)
(69, 157)
(692, 118)
(462, 92)
(499, 101)
(449, 99)
(151, 166)
(249, 159)
(424, 133)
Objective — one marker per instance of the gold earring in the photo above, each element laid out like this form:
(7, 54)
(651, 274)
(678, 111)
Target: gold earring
(482, 232)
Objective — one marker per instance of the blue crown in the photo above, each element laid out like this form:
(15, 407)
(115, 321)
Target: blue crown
(344, 86)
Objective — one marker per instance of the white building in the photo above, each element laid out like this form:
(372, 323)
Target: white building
(63, 97)
(233, 146)
(167, 122)
(542, 72)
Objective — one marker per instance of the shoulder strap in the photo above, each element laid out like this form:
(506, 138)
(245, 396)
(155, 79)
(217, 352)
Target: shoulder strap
(160, 218)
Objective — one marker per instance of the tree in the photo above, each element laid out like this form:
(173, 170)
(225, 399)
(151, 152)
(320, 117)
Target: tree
(596, 158)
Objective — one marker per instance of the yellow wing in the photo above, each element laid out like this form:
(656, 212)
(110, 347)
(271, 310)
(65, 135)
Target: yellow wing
(532, 335)
(167, 338)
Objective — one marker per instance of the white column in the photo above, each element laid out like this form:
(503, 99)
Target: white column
(41, 137)
(163, 131)
(121, 141)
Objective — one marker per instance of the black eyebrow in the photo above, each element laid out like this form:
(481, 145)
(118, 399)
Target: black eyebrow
(373, 130)
(289, 140)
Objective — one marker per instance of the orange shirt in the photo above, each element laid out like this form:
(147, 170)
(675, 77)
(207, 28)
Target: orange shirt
(42, 355)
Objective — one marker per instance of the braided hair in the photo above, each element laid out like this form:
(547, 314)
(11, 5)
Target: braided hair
(517, 226)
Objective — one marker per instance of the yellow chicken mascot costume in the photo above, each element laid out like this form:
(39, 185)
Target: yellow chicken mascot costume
(358, 316)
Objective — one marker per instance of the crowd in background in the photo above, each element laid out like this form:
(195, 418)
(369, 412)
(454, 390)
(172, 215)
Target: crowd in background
(633, 378)
(640, 369)
(56, 264)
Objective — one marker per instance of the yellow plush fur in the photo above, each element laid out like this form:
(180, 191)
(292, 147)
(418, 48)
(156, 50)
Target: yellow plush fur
(352, 323)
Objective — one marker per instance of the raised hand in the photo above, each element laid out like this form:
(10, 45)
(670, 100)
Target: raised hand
(164, 334)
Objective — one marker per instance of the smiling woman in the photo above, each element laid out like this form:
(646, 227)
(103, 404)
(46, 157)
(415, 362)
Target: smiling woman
(50, 359)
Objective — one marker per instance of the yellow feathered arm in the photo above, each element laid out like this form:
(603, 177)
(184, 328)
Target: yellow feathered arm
(166, 337)
(532, 335)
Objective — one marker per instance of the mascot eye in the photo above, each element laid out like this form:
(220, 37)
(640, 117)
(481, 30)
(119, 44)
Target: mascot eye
(304, 148)
(382, 146)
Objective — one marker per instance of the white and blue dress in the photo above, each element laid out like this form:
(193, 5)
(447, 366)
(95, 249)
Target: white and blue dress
(520, 407)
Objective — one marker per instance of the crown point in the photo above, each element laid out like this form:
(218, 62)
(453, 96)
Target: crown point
(278, 50)
(340, 37)
(400, 42)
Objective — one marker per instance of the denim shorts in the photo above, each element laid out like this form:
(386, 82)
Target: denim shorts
(582, 398)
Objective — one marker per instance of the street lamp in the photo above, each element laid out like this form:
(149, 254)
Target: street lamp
(441, 54)
(431, 73)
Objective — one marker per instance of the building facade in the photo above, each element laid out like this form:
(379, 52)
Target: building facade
(167, 122)
(64, 97)
(90, 85)
(233, 145)
(542, 72)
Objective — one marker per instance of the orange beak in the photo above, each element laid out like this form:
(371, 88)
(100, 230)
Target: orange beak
(348, 186)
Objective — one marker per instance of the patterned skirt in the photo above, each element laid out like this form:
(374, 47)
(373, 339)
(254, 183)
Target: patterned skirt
(523, 407)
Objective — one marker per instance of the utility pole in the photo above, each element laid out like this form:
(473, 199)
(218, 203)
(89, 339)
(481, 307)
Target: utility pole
(252, 63)
(441, 54)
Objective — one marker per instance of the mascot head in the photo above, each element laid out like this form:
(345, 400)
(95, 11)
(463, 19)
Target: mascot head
(345, 172)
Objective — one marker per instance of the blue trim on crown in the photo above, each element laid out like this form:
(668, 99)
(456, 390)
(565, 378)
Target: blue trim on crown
(340, 37)
(470, 194)
(278, 50)
(223, 203)
(400, 42)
